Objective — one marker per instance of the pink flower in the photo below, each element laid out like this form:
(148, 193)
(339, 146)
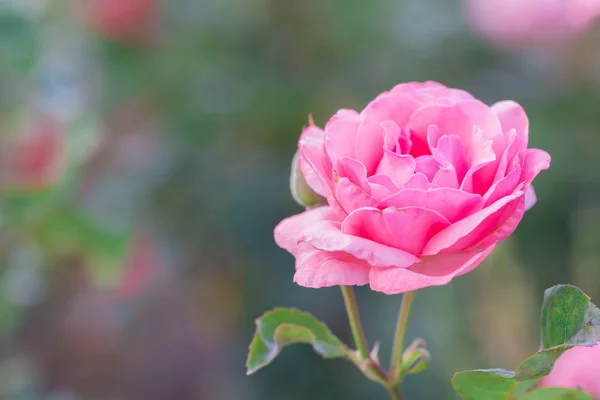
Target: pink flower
(120, 20)
(514, 21)
(36, 158)
(576, 368)
(421, 186)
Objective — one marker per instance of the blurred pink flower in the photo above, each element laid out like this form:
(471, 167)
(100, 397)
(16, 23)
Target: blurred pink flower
(122, 20)
(578, 367)
(36, 158)
(421, 186)
(511, 22)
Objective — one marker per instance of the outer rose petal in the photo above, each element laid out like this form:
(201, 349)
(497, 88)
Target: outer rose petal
(578, 367)
(288, 231)
(530, 198)
(431, 271)
(317, 269)
(535, 161)
(312, 149)
(407, 228)
(473, 229)
(327, 236)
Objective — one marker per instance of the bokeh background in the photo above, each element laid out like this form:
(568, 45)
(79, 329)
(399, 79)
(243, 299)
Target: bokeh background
(144, 152)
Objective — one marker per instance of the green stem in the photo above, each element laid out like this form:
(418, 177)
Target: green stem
(395, 393)
(355, 325)
(401, 325)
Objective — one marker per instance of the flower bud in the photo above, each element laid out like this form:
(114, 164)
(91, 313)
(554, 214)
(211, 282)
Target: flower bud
(302, 193)
(415, 358)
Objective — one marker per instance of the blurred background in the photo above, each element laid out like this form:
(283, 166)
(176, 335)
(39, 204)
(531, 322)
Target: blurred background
(144, 159)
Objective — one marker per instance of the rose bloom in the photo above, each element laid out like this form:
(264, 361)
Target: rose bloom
(577, 368)
(513, 21)
(36, 158)
(421, 186)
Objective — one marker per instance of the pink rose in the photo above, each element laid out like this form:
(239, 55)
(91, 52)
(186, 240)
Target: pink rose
(514, 21)
(421, 186)
(576, 368)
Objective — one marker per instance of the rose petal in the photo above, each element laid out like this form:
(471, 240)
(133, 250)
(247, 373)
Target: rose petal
(508, 223)
(287, 233)
(435, 270)
(369, 141)
(530, 198)
(429, 91)
(381, 186)
(398, 167)
(326, 235)
(428, 166)
(512, 116)
(418, 181)
(465, 233)
(340, 135)
(457, 119)
(483, 157)
(318, 172)
(535, 161)
(317, 269)
(450, 148)
(453, 204)
(351, 197)
(504, 186)
(354, 170)
(407, 228)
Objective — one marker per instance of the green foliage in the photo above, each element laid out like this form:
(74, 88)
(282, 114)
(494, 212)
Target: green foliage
(18, 44)
(568, 319)
(281, 327)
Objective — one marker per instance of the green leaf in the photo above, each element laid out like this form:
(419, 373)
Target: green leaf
(281, 327)
(557, 394)
(492, 384)
(568, 319)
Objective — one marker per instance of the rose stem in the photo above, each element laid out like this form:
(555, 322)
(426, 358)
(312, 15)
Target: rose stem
(355, 325)
(401, 325)
(395, 393)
